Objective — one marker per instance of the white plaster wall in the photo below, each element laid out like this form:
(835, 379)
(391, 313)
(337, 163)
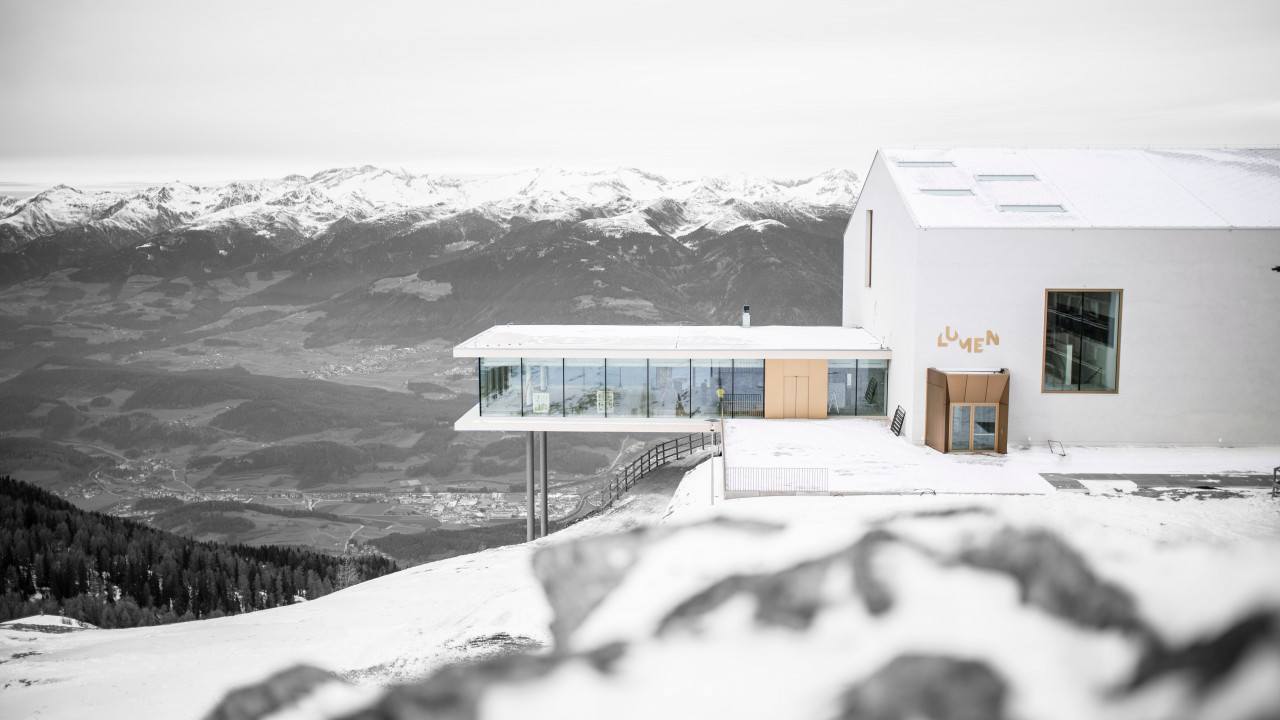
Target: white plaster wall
(1199, 337)
(888, 308)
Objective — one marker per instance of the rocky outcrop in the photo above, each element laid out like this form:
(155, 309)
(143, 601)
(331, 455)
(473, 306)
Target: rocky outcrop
(957, 615)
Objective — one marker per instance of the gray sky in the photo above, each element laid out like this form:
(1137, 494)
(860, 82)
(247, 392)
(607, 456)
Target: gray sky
(98, 92)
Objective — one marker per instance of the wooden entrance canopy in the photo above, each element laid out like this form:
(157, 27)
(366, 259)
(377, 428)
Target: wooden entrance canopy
(947, 388)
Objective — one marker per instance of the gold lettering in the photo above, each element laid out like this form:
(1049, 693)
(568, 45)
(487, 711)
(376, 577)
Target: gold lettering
(967, 344)
(940, 343)
(977, 344)
(992, 338)
(952, 337)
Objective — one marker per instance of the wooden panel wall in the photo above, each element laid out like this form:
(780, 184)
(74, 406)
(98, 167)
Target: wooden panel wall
(776, 373)
(998, 392)
(935, 410)
(773, 388)
(817, 389)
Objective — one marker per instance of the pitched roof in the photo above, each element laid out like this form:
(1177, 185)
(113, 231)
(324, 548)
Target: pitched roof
(1089, 188)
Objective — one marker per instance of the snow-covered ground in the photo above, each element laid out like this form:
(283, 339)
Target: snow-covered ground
(863, 456)
(1191, 565)
(56, 622)
(392, 629)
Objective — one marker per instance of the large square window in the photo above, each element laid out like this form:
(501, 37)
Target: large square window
(1082, 341)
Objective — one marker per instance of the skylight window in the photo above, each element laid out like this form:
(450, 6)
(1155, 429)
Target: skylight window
(945, 191)
(1007, 178)
(925, 163)
(1032, 208)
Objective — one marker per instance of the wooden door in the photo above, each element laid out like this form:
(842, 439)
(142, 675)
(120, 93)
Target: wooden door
(802, 397)
(789, 396)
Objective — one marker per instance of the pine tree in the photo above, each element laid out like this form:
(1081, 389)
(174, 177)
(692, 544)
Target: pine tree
(348, 572)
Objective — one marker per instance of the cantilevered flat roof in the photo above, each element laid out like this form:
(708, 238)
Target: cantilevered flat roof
(474, 421)
(674, 341)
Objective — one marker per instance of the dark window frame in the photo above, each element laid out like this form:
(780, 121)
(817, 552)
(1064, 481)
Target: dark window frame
(1044, 340)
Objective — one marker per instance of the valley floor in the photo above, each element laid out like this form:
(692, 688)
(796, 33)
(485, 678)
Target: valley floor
(403, 626)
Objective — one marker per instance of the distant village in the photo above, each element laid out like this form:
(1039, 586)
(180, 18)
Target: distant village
(457, 506)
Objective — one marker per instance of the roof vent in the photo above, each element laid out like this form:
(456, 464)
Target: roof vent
(746, 316)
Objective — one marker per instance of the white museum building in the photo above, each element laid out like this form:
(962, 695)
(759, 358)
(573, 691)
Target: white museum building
(995, 295)
(1079, 295)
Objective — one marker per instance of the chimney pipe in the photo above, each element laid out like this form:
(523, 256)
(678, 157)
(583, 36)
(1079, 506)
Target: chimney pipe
(746, 316)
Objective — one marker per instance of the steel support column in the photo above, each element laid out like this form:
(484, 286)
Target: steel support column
(542, 454)
(528, 482)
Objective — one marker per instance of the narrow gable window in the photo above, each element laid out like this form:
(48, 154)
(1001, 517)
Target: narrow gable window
(870, 239)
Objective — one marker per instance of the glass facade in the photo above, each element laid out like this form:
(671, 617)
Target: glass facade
(627, 383)
(543, 386)
(1082, 341)
(857, 387)
(598, 387)
(709, 376)
(668, 388)
(748, 389)
(500, 389)
(584, 391)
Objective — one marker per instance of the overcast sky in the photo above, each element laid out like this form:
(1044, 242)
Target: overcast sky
(97, 92)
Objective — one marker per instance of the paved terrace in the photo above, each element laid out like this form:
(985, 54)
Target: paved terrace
(862, 456)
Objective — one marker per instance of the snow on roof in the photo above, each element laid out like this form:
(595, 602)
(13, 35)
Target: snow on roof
(673, 341)
(1096, 188)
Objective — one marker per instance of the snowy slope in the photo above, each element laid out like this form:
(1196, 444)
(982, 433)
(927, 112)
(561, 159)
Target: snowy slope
(1192, 568)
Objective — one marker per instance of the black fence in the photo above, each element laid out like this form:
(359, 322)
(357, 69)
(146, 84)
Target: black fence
(654, 458)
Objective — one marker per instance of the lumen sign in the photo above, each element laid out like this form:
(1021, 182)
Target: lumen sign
(972, 344)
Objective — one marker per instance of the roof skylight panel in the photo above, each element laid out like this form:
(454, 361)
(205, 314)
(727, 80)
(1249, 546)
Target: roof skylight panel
(925, 163)
(946, 191)
(1007, 178)
(1032, 208)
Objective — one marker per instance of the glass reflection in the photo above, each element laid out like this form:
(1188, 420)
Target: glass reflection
(842, 387)
(668, 388)
(628, 381)
(872, 388)
(1082, 341)
(500, 386)
(584, 390)
(709, 376)
(543, 387)
(748, 389)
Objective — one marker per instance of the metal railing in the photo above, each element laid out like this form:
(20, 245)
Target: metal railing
(744, 404)
(776, 480)
(654, 458)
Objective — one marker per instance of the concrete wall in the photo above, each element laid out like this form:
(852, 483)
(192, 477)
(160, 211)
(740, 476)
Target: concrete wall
(1199, 338)
(888, 308)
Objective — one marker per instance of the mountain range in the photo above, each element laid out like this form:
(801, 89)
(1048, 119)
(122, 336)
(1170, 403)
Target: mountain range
(541, 245)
